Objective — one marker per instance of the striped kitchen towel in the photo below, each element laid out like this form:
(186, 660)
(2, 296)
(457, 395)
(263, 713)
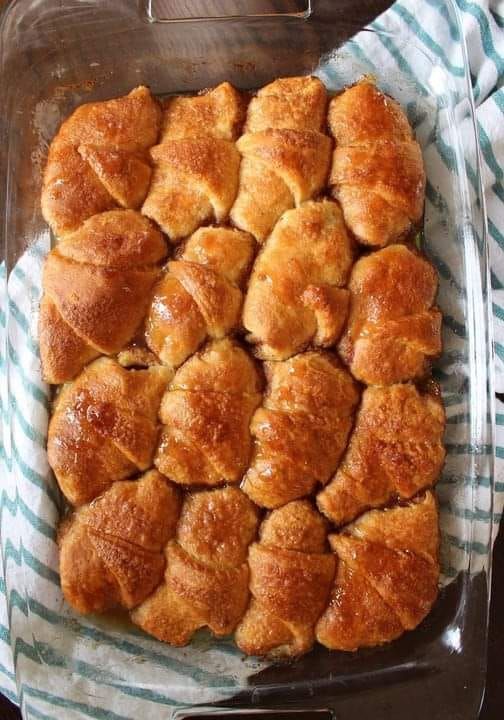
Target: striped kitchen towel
(57, 665)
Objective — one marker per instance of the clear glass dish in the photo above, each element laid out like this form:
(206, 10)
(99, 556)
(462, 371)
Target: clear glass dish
(57, 54)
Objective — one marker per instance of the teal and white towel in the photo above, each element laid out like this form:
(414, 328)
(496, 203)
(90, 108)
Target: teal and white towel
(58, 665)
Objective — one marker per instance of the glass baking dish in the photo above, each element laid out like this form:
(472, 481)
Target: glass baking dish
(57, 54)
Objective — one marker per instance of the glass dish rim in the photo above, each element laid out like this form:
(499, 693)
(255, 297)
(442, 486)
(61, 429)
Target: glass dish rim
(483, 255)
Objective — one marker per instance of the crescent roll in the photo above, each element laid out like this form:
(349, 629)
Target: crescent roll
(285, 155)
(96, 290)
(218, 112)
(99, 160)
(195, 177)
(301, 429)
(387, 576)
(296, 295)
(199, 296)
(295, 103)
(104, 427)
(206, 414)
(290, 579)
(377, 169)
(394, 328)
(111, 552)
(396, 450)
(206, 578)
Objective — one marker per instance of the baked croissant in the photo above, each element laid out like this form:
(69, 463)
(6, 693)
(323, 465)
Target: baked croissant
(387, 576)
(393, 327)
(206, 415)
(199, 296)
(301, 429)
(377, 170)
(396, 449)
(295, 103)
(111, 552)
(218, 112)
(295, 294)
(196, 165)
(285, 156)
(290, 579)
(98, 160)
(206, 579)
(104, 427)
(96, 290)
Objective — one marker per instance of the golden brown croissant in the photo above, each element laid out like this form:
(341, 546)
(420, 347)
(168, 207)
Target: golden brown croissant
(218, 112)
(285, 156)
(199, 296)
(98, 160)
(393, 327)
(96, 290)
(301, 429)
(295, 294)
(206, 415)
(387, 576)
(290, 579)
(104, 427)
(112, 550)
(396, 449)
(195, 176)
(206, 579)
(377, 170)
(296, 103)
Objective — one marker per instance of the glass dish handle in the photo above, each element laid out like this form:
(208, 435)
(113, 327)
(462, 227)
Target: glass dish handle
(214, 712)
(180, 11)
